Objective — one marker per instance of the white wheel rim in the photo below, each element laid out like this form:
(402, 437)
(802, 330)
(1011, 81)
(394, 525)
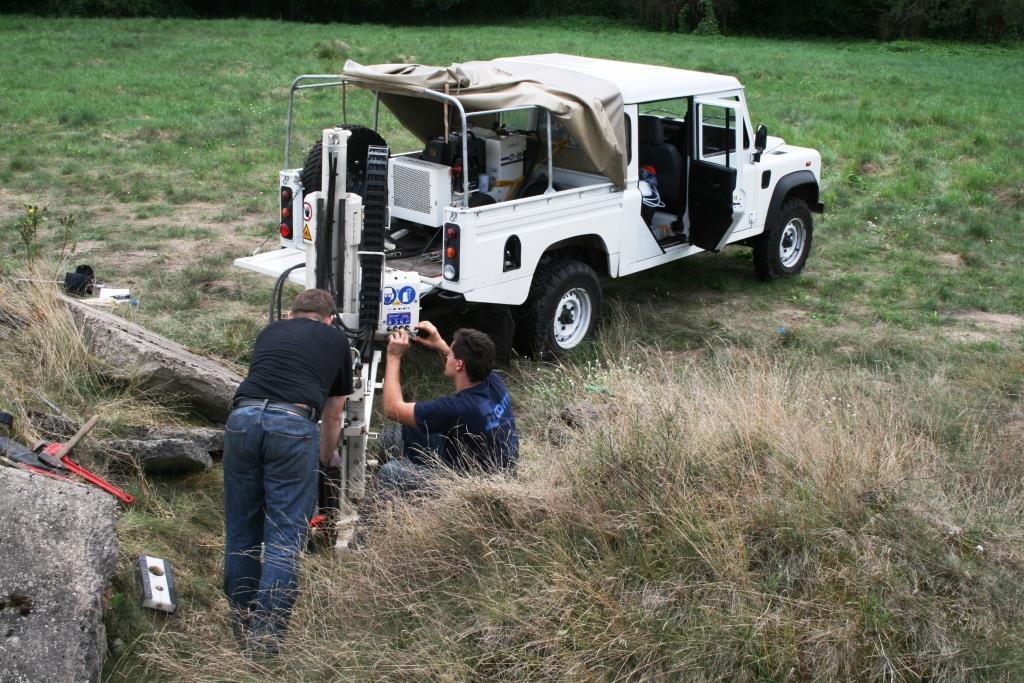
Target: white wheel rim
(791, 244)
(572, 317)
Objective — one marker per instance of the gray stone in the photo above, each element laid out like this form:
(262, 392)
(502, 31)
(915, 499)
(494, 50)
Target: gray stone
(53, 427)
(163, 456)
(210, 439)
(170, 450)
(584, 415)
(58, 550)
(133, 353)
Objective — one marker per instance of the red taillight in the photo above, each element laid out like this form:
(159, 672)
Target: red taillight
(287, 223)
(451, 252)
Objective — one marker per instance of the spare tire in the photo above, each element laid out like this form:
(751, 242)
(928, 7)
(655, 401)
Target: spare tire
(355, 168)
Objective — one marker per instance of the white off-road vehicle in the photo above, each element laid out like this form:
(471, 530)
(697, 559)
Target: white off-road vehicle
(531, 178)
(539, 175)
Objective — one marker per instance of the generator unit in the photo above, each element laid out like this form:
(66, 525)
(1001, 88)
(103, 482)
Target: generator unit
(418, 190)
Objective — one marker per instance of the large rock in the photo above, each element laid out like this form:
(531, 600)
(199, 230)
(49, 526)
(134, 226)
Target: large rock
(209, 439)
(164, 456)
(171, 450)
(586, 415)
(134, 353)
(58, 549)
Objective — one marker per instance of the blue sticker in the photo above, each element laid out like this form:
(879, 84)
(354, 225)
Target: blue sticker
(407, 294)
(399, 318)
(389, 296)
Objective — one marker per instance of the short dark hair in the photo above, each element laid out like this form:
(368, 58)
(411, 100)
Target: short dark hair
(476, 351)
(314, 301)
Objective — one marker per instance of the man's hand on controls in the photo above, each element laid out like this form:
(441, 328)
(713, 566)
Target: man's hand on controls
(398, 343)
(429, 337)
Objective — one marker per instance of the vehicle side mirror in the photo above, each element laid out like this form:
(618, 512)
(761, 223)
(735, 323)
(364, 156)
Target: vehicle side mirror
(760, 141)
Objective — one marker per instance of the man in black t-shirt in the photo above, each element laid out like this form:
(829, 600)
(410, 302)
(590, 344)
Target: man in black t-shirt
(301, 368)
(473, 429)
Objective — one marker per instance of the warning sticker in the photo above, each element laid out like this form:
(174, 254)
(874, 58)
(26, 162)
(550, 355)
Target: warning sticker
(407, 294)
(306, 234)
(307, 211)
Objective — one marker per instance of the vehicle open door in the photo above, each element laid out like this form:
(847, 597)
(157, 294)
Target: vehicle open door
(715, 207)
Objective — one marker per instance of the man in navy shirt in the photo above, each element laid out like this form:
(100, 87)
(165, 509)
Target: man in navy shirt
(471, 430)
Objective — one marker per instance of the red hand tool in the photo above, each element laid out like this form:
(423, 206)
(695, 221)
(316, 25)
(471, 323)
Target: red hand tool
(56, 455)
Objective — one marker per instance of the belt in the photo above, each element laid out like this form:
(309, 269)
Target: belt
(294, 409)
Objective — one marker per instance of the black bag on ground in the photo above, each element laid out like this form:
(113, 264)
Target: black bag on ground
(80, 282)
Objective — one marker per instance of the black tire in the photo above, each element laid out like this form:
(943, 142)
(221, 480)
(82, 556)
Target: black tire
(562, 310)
(390, 442)
(355, 168)
(783, 248)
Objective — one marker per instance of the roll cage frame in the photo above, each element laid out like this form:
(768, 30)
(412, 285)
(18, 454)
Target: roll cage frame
(333, 81)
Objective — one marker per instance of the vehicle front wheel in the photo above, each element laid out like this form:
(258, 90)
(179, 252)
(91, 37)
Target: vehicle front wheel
(782, 249)
(562, 310)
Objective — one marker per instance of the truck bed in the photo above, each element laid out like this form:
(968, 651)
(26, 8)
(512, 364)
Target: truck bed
(428, 264)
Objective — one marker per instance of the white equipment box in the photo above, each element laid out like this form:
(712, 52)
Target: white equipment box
(419, 190)
(400, 300)
(504, 160)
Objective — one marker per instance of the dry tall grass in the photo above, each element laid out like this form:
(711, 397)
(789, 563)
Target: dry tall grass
(733, 517)
(46, 361)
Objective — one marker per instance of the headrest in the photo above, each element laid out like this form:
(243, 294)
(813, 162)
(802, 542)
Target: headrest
(650, 131)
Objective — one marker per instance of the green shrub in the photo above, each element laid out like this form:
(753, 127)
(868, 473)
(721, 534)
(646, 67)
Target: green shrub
(708, 24)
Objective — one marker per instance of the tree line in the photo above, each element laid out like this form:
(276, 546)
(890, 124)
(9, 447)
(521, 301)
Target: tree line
(976, 20)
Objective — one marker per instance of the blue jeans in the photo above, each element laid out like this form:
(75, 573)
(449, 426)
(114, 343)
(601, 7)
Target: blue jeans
(419, 461)
(271, 461)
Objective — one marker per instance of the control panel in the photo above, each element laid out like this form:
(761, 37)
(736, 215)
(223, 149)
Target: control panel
(399, 300)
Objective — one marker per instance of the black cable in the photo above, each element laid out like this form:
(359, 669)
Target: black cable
(423, 251)
(278, 292)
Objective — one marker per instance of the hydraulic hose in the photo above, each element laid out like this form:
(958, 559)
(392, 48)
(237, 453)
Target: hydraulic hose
(278, 292)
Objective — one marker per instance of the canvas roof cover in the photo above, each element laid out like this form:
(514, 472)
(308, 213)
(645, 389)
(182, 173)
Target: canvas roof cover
(589, 108)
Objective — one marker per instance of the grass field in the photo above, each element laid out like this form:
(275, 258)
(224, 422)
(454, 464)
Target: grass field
(817, 479)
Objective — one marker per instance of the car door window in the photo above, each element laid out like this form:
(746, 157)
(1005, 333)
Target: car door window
(718, 134)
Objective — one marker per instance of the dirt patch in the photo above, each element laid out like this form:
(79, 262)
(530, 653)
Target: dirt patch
(1003, 323)
(952, 260)
(196, 214)
(984, 326)
(969, 336)
(88, 246)
(793, 316)
(12, 204)
(868, 168)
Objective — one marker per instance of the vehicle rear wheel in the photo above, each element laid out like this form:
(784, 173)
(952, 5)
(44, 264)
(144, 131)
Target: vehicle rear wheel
(562, 310)
(355, 168)
(782, 250)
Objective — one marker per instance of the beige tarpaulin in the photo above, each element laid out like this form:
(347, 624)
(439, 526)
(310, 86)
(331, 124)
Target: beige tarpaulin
(588, 108)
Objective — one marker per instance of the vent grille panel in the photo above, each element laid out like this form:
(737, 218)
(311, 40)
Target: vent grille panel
(411, 188)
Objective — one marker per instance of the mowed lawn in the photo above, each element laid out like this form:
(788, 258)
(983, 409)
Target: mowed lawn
(902, 339)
